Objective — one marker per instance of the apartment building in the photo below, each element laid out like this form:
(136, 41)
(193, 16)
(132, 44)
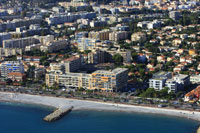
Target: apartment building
(98, 23)
(19, 23)
(158, 80)
(150, 24)
(73, 4)
(55, 46)
(171, 85)
(110, 80)
(139, 36)
(63, 18)
(57, 67)
(86, 44)
(118, 35)
(182, 80)
(96, 57)
(70, 80)
(11, 66)
(195, 79)
(16, 76)
(72, 64)
(5, 52)
(20, 43)
(100, 80)
(162, 79)
(101, 35)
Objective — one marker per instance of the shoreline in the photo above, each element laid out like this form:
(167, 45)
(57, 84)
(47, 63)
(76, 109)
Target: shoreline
(56, 102)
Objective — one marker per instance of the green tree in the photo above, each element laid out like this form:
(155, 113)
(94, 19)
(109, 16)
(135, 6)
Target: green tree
(87, 51)
(55, 86)
(164, 92)
(30, 72)
(150, 92)
(134, 56)
(118, 59)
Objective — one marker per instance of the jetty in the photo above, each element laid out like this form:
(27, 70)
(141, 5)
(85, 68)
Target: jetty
(57, 114)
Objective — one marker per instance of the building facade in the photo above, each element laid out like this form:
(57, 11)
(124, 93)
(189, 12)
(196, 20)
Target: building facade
(139, 36)
(99, 80)
(158, 80)
(20, 43)
(86, 44)
(72, 64)
(195, 79)
(110, 80)
(69, 80)
(11, 66)
(118, 36)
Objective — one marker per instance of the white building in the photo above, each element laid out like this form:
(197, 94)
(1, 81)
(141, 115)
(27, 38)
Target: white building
(158, 80)
(64, 18)
(182, 80)
(172, 85)
(195, 79)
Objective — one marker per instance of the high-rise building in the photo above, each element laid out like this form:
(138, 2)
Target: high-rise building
(118, 36)
(72, 64)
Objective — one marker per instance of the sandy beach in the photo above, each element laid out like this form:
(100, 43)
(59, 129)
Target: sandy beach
(93, 105)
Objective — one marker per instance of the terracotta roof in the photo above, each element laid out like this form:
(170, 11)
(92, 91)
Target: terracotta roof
(71, 58)
(31, 57)
(16, 74)
(195, 92)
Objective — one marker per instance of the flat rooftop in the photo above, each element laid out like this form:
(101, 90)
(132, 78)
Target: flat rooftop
(181, 76)
(114, 71)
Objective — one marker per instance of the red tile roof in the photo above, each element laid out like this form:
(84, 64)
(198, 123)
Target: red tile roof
(194, 92)
(16, 74)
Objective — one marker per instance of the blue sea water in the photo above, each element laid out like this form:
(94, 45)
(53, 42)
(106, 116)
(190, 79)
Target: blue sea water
(21, 118)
